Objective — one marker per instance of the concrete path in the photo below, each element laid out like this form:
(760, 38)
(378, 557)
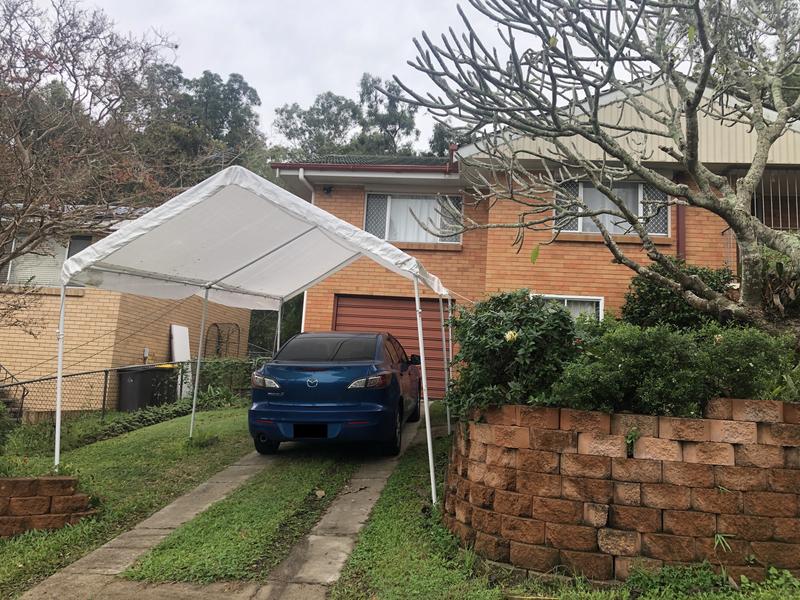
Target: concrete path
(312, 566)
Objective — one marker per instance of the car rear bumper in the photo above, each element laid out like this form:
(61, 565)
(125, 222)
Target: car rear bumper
(364, 422)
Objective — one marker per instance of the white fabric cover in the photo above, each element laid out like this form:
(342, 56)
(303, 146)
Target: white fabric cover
(257, 243)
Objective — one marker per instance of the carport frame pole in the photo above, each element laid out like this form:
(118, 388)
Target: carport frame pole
(424, 370)
(278, 329)
(60, 374)
(446, 364)
(200, 345)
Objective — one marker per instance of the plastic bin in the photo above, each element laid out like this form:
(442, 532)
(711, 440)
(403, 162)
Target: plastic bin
(140, 387)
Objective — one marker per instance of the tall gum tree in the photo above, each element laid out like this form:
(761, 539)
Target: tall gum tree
(533, 100)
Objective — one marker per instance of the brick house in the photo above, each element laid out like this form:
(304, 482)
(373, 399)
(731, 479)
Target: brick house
(104, 330)
(379, 193)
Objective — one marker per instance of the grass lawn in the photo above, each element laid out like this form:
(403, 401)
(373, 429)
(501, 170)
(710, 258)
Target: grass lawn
(404, 552)
(132, 476)
(246, 535)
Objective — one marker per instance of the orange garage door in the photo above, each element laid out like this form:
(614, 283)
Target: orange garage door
(398, 317)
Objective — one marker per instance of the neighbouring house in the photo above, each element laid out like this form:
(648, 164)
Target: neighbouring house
(104, 330)
(379, 193)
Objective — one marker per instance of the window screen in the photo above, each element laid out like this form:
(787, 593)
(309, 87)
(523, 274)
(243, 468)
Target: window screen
(652, 209)
(328, 349)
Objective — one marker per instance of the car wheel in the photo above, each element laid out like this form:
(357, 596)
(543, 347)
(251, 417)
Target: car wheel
(415, 414)
(265, 446)
(393, 444)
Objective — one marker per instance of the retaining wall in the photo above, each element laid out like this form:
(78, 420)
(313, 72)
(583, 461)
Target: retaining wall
(548, 489)
(40, 503)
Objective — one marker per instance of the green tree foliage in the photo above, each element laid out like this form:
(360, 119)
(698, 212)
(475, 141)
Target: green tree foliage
(387, 125)
(200, 125)
(443, 135)
(325, 127)
(375, 124)
(261, 338)
(512, 347)
(650, 303)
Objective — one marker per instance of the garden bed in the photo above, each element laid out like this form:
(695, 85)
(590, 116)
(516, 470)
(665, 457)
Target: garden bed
(595, 494)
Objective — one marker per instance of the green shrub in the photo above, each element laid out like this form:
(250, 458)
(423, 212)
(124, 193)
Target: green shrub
(663, 371)
(512, 347)
(654, 370)
(230, 373)
(745, 362)
(647, 303)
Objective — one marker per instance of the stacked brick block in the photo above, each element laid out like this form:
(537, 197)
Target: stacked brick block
(40, 503)
(595, 494)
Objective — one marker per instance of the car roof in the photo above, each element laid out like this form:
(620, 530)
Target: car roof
(341, 334)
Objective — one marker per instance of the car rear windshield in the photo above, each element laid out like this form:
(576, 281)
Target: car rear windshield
(328, 349)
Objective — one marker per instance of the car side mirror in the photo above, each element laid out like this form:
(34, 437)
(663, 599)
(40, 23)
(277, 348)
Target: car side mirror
(415, 360)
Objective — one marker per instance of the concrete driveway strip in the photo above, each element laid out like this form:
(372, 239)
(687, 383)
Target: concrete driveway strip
(88, 576)
(317, 561)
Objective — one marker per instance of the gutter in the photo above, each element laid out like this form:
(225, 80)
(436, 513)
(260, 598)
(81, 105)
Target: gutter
(444, 168)
(301, 175)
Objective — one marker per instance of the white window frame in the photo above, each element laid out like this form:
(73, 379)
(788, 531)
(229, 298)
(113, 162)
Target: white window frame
(389, 213)
(565, 297)
(640, 213)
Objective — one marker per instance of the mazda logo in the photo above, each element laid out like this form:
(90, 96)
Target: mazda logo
(311, 382)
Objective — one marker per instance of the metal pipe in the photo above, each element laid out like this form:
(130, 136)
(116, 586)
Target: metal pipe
(199, 359)
(60, 374)
(446, 365)
(424, 370)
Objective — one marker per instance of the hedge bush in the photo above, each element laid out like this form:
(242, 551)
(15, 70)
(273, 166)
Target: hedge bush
(512, 347)
(647, 303)
(663, 371)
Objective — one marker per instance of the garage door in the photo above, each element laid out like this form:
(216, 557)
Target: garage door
(398, 317)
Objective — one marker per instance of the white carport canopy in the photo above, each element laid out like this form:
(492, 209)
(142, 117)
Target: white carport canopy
(238, 240)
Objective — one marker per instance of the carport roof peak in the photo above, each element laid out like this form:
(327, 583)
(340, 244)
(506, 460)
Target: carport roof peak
(249, 242)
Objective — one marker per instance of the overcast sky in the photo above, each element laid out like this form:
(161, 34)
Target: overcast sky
(290, 51)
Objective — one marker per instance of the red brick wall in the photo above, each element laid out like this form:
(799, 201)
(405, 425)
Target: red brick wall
(543, 487)
(40, 503)
(487, 262)
(460, 267)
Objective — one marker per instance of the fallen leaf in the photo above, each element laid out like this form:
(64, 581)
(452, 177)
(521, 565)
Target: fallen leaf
(320, 493)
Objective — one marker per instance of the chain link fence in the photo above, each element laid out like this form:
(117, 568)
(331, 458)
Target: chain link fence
(123, 388)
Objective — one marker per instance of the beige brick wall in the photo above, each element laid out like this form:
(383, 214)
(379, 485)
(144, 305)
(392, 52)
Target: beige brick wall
(102, 329)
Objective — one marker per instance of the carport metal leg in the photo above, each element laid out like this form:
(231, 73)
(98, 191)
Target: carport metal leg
(200, 345)
(446, 364)
(59, 376)
(425, 390)
(278, 329)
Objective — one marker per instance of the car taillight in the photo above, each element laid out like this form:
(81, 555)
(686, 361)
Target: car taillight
(257, 380)
(380, 380)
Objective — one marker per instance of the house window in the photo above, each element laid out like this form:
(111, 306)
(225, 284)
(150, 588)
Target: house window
(392, 217)
(43, 268)
(643, 199)
(580, 305)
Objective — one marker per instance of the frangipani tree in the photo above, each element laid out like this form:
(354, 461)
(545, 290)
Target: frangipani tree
(534, 102)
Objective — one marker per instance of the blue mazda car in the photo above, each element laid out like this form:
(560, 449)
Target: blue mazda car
(335, 386)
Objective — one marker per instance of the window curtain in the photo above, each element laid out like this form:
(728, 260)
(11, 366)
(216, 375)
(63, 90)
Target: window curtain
(403, 227)
(596, 200)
